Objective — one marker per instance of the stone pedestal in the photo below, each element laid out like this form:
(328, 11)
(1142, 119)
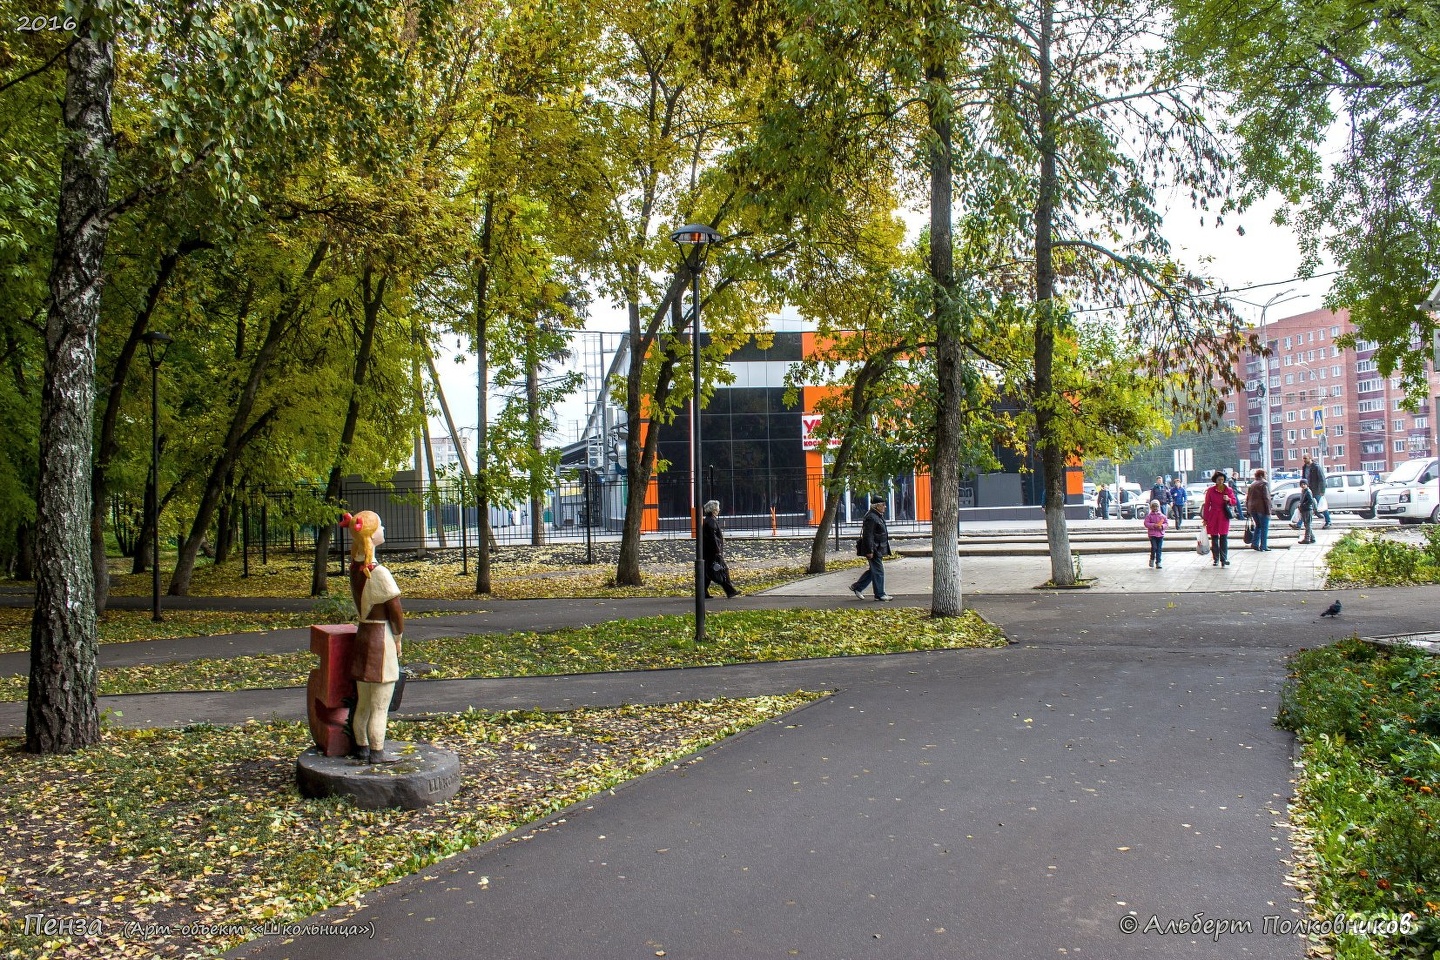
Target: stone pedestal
(425, 774)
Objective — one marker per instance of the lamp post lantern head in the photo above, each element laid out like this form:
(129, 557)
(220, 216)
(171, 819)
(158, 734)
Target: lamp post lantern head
(157, 342)
(697, 237)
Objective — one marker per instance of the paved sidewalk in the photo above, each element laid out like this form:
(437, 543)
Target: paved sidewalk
(1118, 760)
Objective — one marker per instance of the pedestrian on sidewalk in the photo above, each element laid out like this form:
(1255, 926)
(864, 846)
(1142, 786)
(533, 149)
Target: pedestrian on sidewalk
(1162, 493)
(874, 545)
(1178, 496)
(1216, 512)
(1314, 475)
(1155, 527)
(1257, 507)
(1102, 502)
(713, 551)
(1307, 508)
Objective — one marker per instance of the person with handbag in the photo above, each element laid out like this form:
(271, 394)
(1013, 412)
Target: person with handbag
(375, 663)
(713, 551)
(873, 545)
(1257, 507)
(1216, 512)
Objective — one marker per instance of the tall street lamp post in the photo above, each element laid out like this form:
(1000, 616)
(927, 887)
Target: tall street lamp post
(1266, 453)
(694, 240)
(156, 344)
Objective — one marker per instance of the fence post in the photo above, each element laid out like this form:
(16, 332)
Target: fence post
(264, 529)
(464, 536)
(589, 544)
(244, 534)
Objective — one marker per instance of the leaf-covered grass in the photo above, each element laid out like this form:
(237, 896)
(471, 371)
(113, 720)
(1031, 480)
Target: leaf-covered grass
(742, 636)
(1379, 558)
(1367, 810)
(129, 626)
(205, 826)
(518, 573)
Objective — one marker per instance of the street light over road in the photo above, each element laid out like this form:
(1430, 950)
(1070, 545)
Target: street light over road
(694, 241)
(157, 344)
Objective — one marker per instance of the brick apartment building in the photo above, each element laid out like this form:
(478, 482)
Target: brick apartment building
(1365, 429)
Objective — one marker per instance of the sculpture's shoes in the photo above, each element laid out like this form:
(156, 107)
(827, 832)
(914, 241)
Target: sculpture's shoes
(381, 756)
(360, 753)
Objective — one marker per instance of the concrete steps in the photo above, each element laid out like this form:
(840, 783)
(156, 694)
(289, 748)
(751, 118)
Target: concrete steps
(1130, 539)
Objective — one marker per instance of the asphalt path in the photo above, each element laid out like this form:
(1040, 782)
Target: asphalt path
(1117, 763)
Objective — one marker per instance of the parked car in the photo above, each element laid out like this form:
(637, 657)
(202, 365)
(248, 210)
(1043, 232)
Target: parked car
(1351, 491)
(1410, 494)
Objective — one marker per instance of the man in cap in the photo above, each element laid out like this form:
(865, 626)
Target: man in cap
(873, 545)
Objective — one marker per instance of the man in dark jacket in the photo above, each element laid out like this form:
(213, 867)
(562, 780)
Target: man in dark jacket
(874, 544)
(1314, 475)
(1162, 493)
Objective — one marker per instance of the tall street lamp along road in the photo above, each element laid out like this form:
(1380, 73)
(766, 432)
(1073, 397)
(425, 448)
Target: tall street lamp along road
(694, 241)
(157, 343)
(1266, 453)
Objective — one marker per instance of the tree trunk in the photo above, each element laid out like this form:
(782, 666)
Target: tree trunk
(319, 568)
(61, 715)
(640, 457)
(537, 442)
(482, 405)
(946, 590)
(1052, 457)
(818, 545)
(239, 434)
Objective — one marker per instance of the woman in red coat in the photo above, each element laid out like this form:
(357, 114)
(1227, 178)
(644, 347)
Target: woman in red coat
(1215, 513)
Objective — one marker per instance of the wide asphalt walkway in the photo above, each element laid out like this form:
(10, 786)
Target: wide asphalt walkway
(1117, 762)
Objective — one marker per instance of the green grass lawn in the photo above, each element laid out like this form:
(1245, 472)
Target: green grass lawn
(1367, 809)
(745, 636)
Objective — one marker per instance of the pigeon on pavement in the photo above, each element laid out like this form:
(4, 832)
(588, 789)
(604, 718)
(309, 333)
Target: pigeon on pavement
(1333, 610)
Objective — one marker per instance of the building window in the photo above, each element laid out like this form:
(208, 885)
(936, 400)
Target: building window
(1337, 390)
(1399, 403)
(1289, 379)
(1337, 412)
(1230, 424)
(1334, 332)
(1288, 342)
(1289, 416)
(1275, 380)
(1422, 423)
(1338, 429)
(1334, 371)
(1399, 446)
(1289, 438)
(1310, 337)
(1369, 386)
(1370, 406)
(1399, 426)
(1364, 366)
(1229, 408)
(1274, 418)
(1339, 449)
(1289, 359)
(1290, 455)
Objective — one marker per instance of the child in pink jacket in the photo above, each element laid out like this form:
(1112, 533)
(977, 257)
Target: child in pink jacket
(1155, 526)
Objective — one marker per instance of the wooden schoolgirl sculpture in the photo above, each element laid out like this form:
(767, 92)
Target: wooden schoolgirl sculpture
(376, 663)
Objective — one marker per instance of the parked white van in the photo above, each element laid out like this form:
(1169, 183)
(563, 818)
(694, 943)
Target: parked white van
(1410, 494)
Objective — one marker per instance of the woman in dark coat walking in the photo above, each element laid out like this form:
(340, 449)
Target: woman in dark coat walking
(716, 570)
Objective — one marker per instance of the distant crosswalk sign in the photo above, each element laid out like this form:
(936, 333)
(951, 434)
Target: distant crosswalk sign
(1319, 421)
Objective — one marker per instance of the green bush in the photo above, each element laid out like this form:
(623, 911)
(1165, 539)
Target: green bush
(1369, 801)
(1368, 559)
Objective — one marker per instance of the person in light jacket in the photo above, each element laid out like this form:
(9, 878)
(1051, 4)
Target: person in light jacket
(1214, 514)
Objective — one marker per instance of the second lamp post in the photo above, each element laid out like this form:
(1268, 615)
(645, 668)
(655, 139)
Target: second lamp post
(156, 344)
(694, 240)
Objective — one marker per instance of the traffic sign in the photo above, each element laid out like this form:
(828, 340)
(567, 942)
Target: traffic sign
(1319, 421)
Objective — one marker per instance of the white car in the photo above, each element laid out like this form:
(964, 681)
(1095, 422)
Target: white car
(1411, 494)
